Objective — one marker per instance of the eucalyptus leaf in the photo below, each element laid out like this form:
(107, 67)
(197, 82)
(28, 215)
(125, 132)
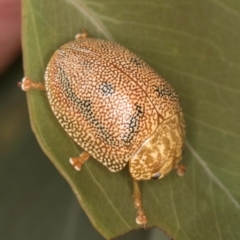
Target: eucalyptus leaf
(195, 46)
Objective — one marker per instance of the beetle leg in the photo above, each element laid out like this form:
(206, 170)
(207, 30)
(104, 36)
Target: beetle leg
(141, 217)
(27, 84)
(77, 162)
(181, 169)
(81, 35)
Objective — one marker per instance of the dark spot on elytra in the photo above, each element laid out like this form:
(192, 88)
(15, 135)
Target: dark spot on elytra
(136, 62)
(139, 111)
(85, 107)
(87, 65)
(133, 126)
(166, 92)
(107, 89)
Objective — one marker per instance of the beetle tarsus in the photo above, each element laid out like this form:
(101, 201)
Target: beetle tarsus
(81, 35)
(77, 162)
(141, 219)
(181, 169)
(26, 84)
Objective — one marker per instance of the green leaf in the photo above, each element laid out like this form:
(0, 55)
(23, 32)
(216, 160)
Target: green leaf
(195, 46)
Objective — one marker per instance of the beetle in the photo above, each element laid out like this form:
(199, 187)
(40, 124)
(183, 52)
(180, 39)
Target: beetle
(117, 108)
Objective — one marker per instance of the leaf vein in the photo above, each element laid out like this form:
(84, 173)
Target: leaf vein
(92, 17)
(212, 175)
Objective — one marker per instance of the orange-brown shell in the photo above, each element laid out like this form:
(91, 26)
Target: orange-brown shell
(107, 99)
